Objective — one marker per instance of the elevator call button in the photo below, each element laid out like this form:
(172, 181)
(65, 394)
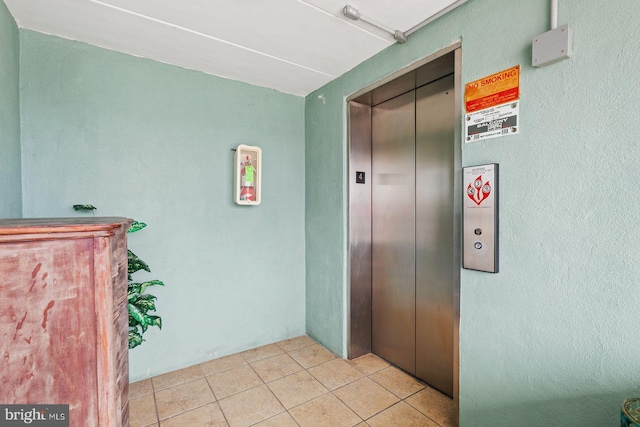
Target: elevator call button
(480, 217)
(359, 177)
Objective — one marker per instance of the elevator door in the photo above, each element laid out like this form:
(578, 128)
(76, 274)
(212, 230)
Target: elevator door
(412, 198)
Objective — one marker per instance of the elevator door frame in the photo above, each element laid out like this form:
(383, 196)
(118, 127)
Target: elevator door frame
(359, 314)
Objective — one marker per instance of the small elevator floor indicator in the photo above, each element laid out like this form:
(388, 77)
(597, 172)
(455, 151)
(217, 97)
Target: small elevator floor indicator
(359, 177)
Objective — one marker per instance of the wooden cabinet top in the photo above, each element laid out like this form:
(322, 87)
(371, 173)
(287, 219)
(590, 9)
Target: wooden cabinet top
(55, 226)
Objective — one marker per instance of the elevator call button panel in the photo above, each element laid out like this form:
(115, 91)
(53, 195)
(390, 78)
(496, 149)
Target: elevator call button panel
(480, 218)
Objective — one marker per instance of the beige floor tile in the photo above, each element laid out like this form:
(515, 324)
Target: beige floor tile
(261, 352)
(335, 373)
(366, 397)
(397, 382)
(232, 381)
(250, 407)
(140, 388)
(296, 389)
(142, 411)
(367, 388)
(281, 420)
(184, 397)
(435, 405)
(177, 377)
(275, 367)
(205, 416)
(401, 415)
(294, 343)
(323, 411)
(222, 364)
(311, 355)
(369, 363)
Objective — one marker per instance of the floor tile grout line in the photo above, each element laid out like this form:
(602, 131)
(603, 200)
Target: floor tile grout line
(244, 362)
(307, 401)
(387, 408)
(273, 416)
(243, 353)
(211, 388)
(264, 383)
(417, 409)
(368, 418)
(362, 419)
(216, 400)
(306, 368)
(297, 348)
(392, 392)
(242, 391)
(189, 410)
(155, 402)
(285, 376)
(180, 384)
(328, 391)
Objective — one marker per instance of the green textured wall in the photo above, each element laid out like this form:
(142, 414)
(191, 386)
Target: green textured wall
(150, 141)
(10, 174)
(552, 339)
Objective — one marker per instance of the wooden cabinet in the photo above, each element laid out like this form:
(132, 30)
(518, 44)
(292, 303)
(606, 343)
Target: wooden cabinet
(64, 317)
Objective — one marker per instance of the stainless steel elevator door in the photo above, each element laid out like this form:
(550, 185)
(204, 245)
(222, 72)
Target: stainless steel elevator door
(412, 253)
(434, 233)
(393, 231)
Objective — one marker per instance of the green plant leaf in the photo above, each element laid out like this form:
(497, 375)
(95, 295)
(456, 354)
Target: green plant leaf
(135, 338)
(145, 285)
(135, 264)
(134, 288)
(145, 326)
(145, 303)
(138, 315)
(155, 321)
(139, 303)
(84, 207)
(136, 226)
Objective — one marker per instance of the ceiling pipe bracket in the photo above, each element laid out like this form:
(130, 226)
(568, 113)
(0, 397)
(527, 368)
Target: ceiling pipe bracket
(353, 14)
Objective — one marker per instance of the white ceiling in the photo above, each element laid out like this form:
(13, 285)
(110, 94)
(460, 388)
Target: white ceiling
(293, 46)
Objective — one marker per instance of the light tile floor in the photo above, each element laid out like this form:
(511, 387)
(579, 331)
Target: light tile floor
(296, 382)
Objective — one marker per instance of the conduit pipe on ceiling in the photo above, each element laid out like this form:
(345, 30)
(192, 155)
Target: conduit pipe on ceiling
(353, 13)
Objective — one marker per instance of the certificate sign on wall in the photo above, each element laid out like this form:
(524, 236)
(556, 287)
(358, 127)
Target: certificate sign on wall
(492, 105)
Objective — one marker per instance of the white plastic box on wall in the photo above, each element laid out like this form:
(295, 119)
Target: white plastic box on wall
(552, 46)
(248, 175)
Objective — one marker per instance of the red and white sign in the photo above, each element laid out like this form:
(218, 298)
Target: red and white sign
(496, 89)
(479, 190)
(492, 105)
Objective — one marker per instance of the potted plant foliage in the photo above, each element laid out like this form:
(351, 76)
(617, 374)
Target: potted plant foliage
(140, 304)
